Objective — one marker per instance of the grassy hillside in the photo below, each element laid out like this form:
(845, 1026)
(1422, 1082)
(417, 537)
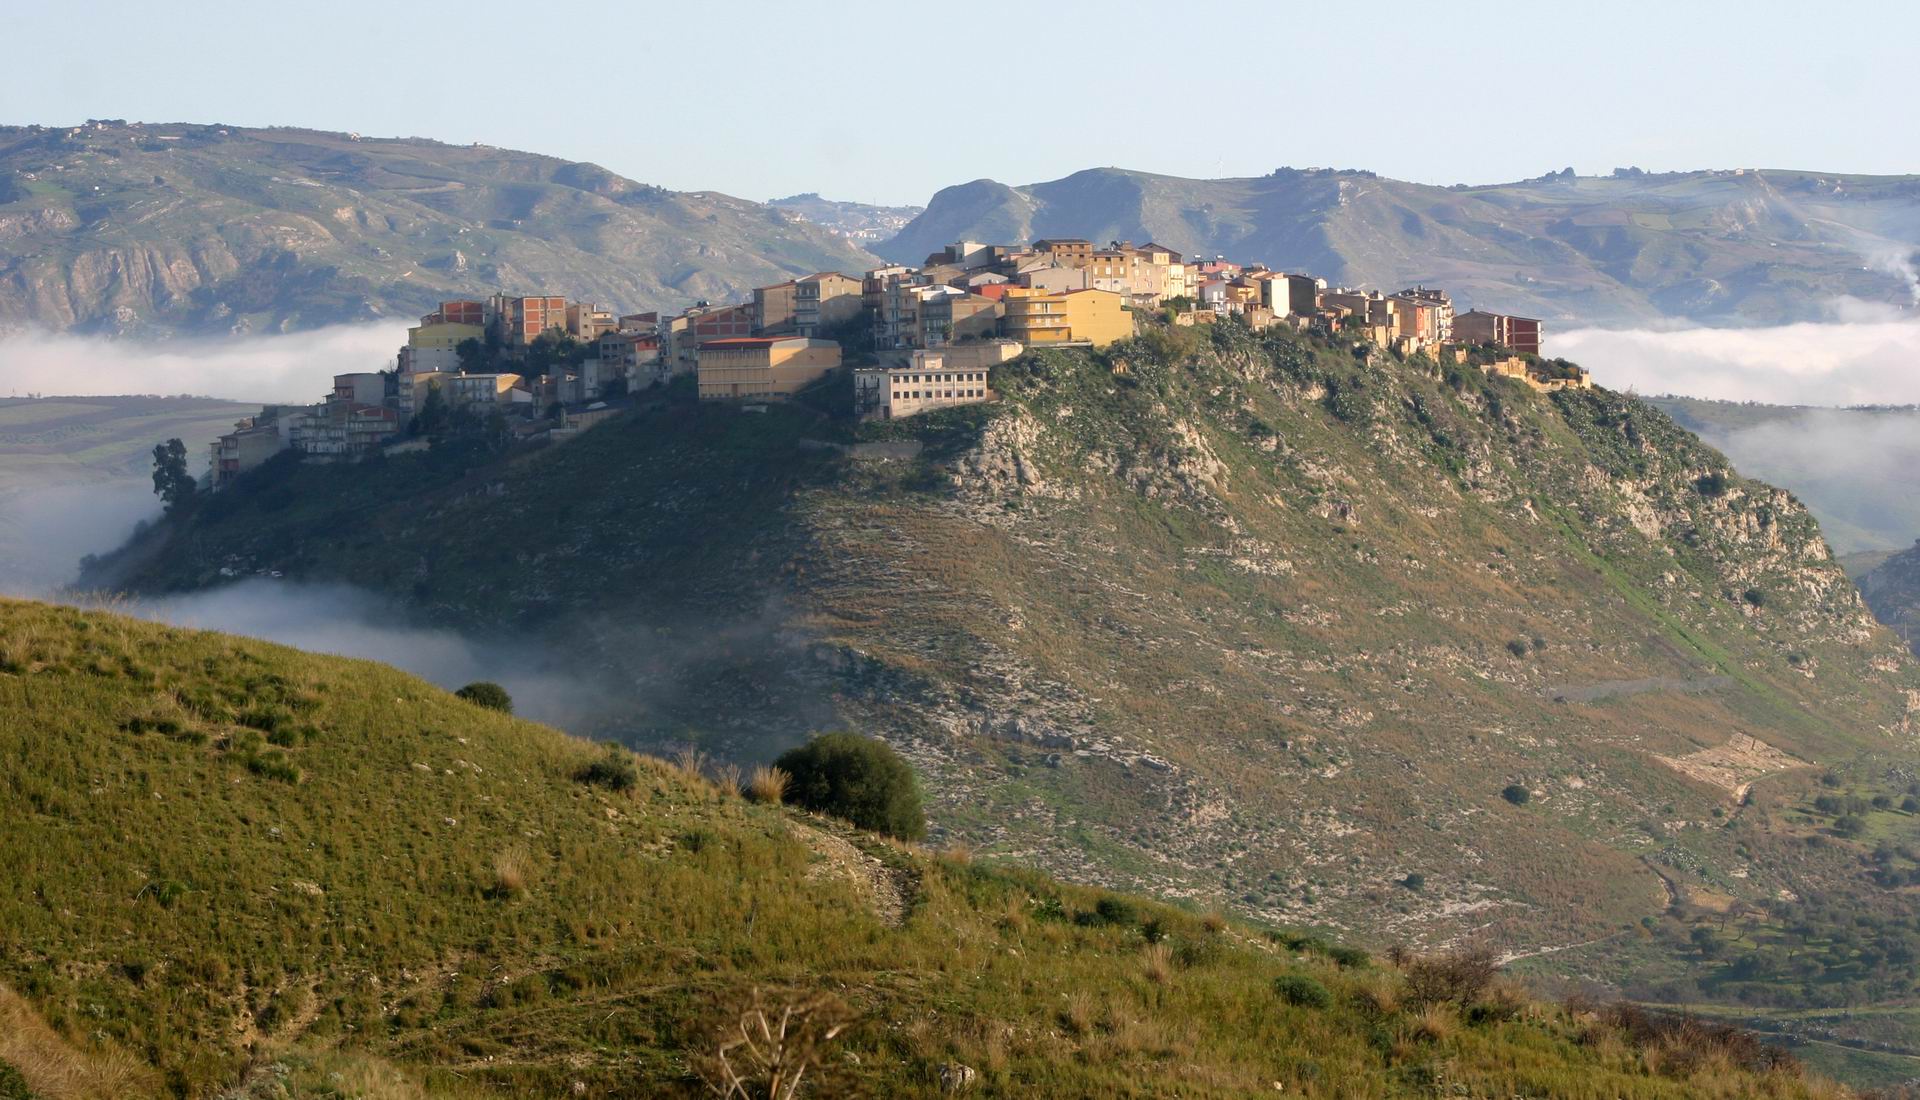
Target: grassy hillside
(1729, 247)
(1247, 620)
(161, 228)
(231, 865)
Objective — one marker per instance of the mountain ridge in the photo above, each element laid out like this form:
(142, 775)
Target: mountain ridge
(161, 228)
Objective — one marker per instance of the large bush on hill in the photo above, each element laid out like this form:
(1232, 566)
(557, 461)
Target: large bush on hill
(857, 778)
(485, 693)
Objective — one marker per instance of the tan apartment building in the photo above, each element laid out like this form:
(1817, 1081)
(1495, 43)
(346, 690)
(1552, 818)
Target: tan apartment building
(1289, 295)
(949, 315)
(762, 368)
(1037, 319)
(930, 380)
(481, 389)
(586, 321)
(824, 300)
(773, 308)
(1066, 251)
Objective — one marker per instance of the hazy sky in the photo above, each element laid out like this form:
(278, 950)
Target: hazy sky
(891, 101)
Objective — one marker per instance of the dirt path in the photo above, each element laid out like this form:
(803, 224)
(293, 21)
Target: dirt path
(889, 890)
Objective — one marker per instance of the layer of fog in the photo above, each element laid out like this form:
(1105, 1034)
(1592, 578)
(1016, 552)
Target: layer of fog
(1863, 357)
(45, 532)
(1858, 470)
(345, 621)
(296, 367)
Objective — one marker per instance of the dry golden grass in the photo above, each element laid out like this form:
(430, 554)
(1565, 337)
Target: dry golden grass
(1214, 922)
(1080, 1013)
(1434, 1024)
(1378, 993)
(768, 784)
(1156, 963)
(54, 1069)
(513, 868)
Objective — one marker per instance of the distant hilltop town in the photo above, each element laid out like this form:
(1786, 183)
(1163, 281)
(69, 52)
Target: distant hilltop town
(544, 367)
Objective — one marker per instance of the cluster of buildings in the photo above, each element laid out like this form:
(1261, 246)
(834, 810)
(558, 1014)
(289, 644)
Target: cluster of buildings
(935, 331)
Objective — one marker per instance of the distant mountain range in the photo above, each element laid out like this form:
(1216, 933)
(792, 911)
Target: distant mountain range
(182, 228)
(1726, 247)
(858, 220)
(157, 229)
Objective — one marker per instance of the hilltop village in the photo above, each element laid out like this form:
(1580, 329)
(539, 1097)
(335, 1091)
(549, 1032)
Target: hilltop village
(544, 367)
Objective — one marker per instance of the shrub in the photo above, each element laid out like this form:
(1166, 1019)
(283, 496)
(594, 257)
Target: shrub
(1516, 794)
(613, 771)
(1517, 647)
(1414, 881)
(1460, 977)
(1350, 957)
(1298, 989)
(1754, 597)
(860, 779)
(1850, 825)
(486, 693)
(768, 785)
(1110, 910)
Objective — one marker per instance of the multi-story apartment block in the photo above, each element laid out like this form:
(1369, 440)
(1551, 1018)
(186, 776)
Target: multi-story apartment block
(1477, 326)
(930, 380)
(518, 320)
(1037, 318)
(1066, 251)
(773, 308)
(824, 300)
(762, 368)
(586, 321)
(1443, 306)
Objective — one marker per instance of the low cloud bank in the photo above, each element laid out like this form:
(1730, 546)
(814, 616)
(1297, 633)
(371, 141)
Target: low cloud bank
(296, 367)
(45, 532)
(1856, 360)
(350, 622)
(1859, 471)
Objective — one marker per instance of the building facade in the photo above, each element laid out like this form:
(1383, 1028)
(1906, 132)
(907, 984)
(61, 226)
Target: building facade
(762, 368)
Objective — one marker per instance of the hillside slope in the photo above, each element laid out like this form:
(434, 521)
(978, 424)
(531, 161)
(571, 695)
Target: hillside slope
(1246, 619)
(1725, 247)
(152, 229)
(230, 865)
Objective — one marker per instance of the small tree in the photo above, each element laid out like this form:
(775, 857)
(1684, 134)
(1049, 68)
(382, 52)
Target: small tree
(860, 779)
(1516, 794)
(171, 481)
(486, 693)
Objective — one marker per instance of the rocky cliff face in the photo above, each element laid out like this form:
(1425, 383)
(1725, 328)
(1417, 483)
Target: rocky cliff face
(123, 228)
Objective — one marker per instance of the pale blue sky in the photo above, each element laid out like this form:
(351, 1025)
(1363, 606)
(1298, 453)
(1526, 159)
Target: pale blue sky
(887, 102)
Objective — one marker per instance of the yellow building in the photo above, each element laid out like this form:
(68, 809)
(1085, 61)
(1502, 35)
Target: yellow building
(1036, 318)
(432, 347)
(763, 368)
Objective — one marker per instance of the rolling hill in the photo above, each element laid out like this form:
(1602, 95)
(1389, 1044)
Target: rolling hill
(232, 869)
(1723, 247)
(153, 229)
(1250, 620)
